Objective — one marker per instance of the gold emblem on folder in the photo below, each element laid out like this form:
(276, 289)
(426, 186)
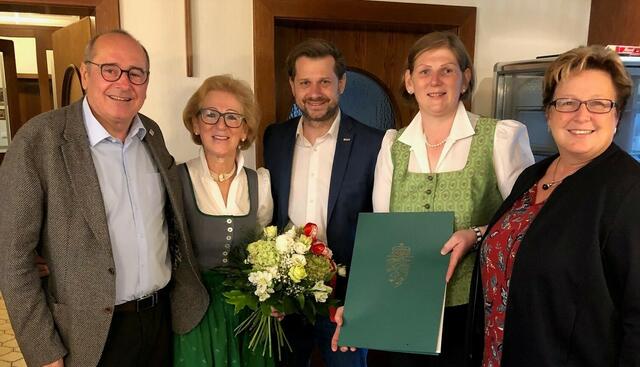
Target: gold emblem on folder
(399, 264)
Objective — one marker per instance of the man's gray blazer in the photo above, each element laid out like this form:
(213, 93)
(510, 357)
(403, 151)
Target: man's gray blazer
(51, 204)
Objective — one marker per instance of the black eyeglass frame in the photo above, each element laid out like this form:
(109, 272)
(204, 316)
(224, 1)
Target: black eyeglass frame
(612, 104)
(223, 116)
(122, 71)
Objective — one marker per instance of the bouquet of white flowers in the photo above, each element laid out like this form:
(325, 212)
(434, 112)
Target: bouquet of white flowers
(292, 273)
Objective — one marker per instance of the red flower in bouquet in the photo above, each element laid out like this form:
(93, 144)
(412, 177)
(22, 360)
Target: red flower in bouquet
(310, 230)
(318, 248)
(292, 273)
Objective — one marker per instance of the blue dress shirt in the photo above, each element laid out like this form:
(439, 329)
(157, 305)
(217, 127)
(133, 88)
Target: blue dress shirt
(134, 199)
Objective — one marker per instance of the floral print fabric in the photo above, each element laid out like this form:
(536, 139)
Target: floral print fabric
(497, 257)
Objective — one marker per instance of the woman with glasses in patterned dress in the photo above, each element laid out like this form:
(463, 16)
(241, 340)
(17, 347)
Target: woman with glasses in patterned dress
(558, 276)
(225, 205)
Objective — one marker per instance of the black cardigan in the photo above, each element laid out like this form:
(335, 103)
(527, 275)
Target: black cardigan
(574, 296)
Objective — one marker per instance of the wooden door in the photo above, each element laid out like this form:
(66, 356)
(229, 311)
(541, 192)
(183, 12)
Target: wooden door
(614, 22)
(379, 50)
(9, 106)
(373, 35)
(68, 54)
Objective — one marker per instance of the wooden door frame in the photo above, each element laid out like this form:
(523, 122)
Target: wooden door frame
(107, 12)
(42, 36)
(107, 17)
(9, 59)
(266, 13)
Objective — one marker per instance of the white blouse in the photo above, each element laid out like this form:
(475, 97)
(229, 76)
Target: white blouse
(209, 198)
(511, 153)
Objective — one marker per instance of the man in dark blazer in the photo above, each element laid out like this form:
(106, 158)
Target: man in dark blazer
(322, 167)
(113, 235)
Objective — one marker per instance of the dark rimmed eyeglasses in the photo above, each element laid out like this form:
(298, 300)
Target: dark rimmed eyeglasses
(112, 73)
(598, 105)
(211, 117)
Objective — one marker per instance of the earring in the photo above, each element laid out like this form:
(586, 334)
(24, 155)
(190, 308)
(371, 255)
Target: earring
(615, 130)
(410, 91)
(196, 133)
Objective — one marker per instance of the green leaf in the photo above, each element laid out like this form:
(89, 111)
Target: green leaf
(240, 300)
(289, 306)
(300, 299)
(309, 310)
(265, 307)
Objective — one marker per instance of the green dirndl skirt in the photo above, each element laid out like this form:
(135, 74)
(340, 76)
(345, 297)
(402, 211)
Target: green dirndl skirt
(213, 341)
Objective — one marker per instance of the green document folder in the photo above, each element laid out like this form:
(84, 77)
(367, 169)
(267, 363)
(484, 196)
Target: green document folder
(396, 292)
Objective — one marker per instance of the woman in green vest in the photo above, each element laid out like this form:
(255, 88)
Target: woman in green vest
(448, 159)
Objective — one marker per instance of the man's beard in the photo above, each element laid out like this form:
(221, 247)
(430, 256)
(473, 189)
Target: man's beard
(332, 110)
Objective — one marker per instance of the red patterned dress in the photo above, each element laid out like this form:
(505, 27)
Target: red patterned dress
(497, 256)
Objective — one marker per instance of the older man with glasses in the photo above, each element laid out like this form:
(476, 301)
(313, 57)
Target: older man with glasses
(92, 188)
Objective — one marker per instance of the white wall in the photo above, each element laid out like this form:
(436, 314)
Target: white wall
(222, 44)
(25, 50)
(506, 30)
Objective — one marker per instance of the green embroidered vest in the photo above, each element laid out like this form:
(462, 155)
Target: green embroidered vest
(472, 194)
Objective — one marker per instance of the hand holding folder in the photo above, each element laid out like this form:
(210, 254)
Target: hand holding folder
(397, 269)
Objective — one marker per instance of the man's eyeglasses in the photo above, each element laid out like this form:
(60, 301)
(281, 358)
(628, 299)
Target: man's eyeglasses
(112, 73)
(211, 117)
(593, 105)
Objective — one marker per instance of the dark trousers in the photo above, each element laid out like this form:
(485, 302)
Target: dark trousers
(303, 336)
(453, 345)
(140, 338)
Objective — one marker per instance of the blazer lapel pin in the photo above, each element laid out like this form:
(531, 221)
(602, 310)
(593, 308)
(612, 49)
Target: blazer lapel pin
(151, 132)
(346, 139)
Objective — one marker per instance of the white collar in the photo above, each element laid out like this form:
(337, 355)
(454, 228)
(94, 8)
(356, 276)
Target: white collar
(333, 130)
(462, 127)
(97, 133)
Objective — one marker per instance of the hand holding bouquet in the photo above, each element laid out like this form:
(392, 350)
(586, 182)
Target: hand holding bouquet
(291, 273)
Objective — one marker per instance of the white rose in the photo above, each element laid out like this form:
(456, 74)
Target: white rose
(284, 244)
(321, 291)
(297, 259)
(321, 296)
(300, 247)
(291, 232)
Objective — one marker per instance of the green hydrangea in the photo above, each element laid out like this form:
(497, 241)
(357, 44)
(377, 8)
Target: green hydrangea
(262, 255)
(318, 268)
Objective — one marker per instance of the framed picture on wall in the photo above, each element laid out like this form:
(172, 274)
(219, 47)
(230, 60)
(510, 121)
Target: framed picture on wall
(2, 96)
(3, 115)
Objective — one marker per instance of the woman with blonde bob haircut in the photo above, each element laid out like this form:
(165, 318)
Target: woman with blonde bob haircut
(243, 94)
(225, 205)
(558, 275)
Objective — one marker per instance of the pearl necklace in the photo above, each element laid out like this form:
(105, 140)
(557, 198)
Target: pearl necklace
(433, 146)
(221, 177)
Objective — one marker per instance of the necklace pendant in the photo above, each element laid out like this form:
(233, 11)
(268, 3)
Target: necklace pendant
(546, 186)
(221, 177)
